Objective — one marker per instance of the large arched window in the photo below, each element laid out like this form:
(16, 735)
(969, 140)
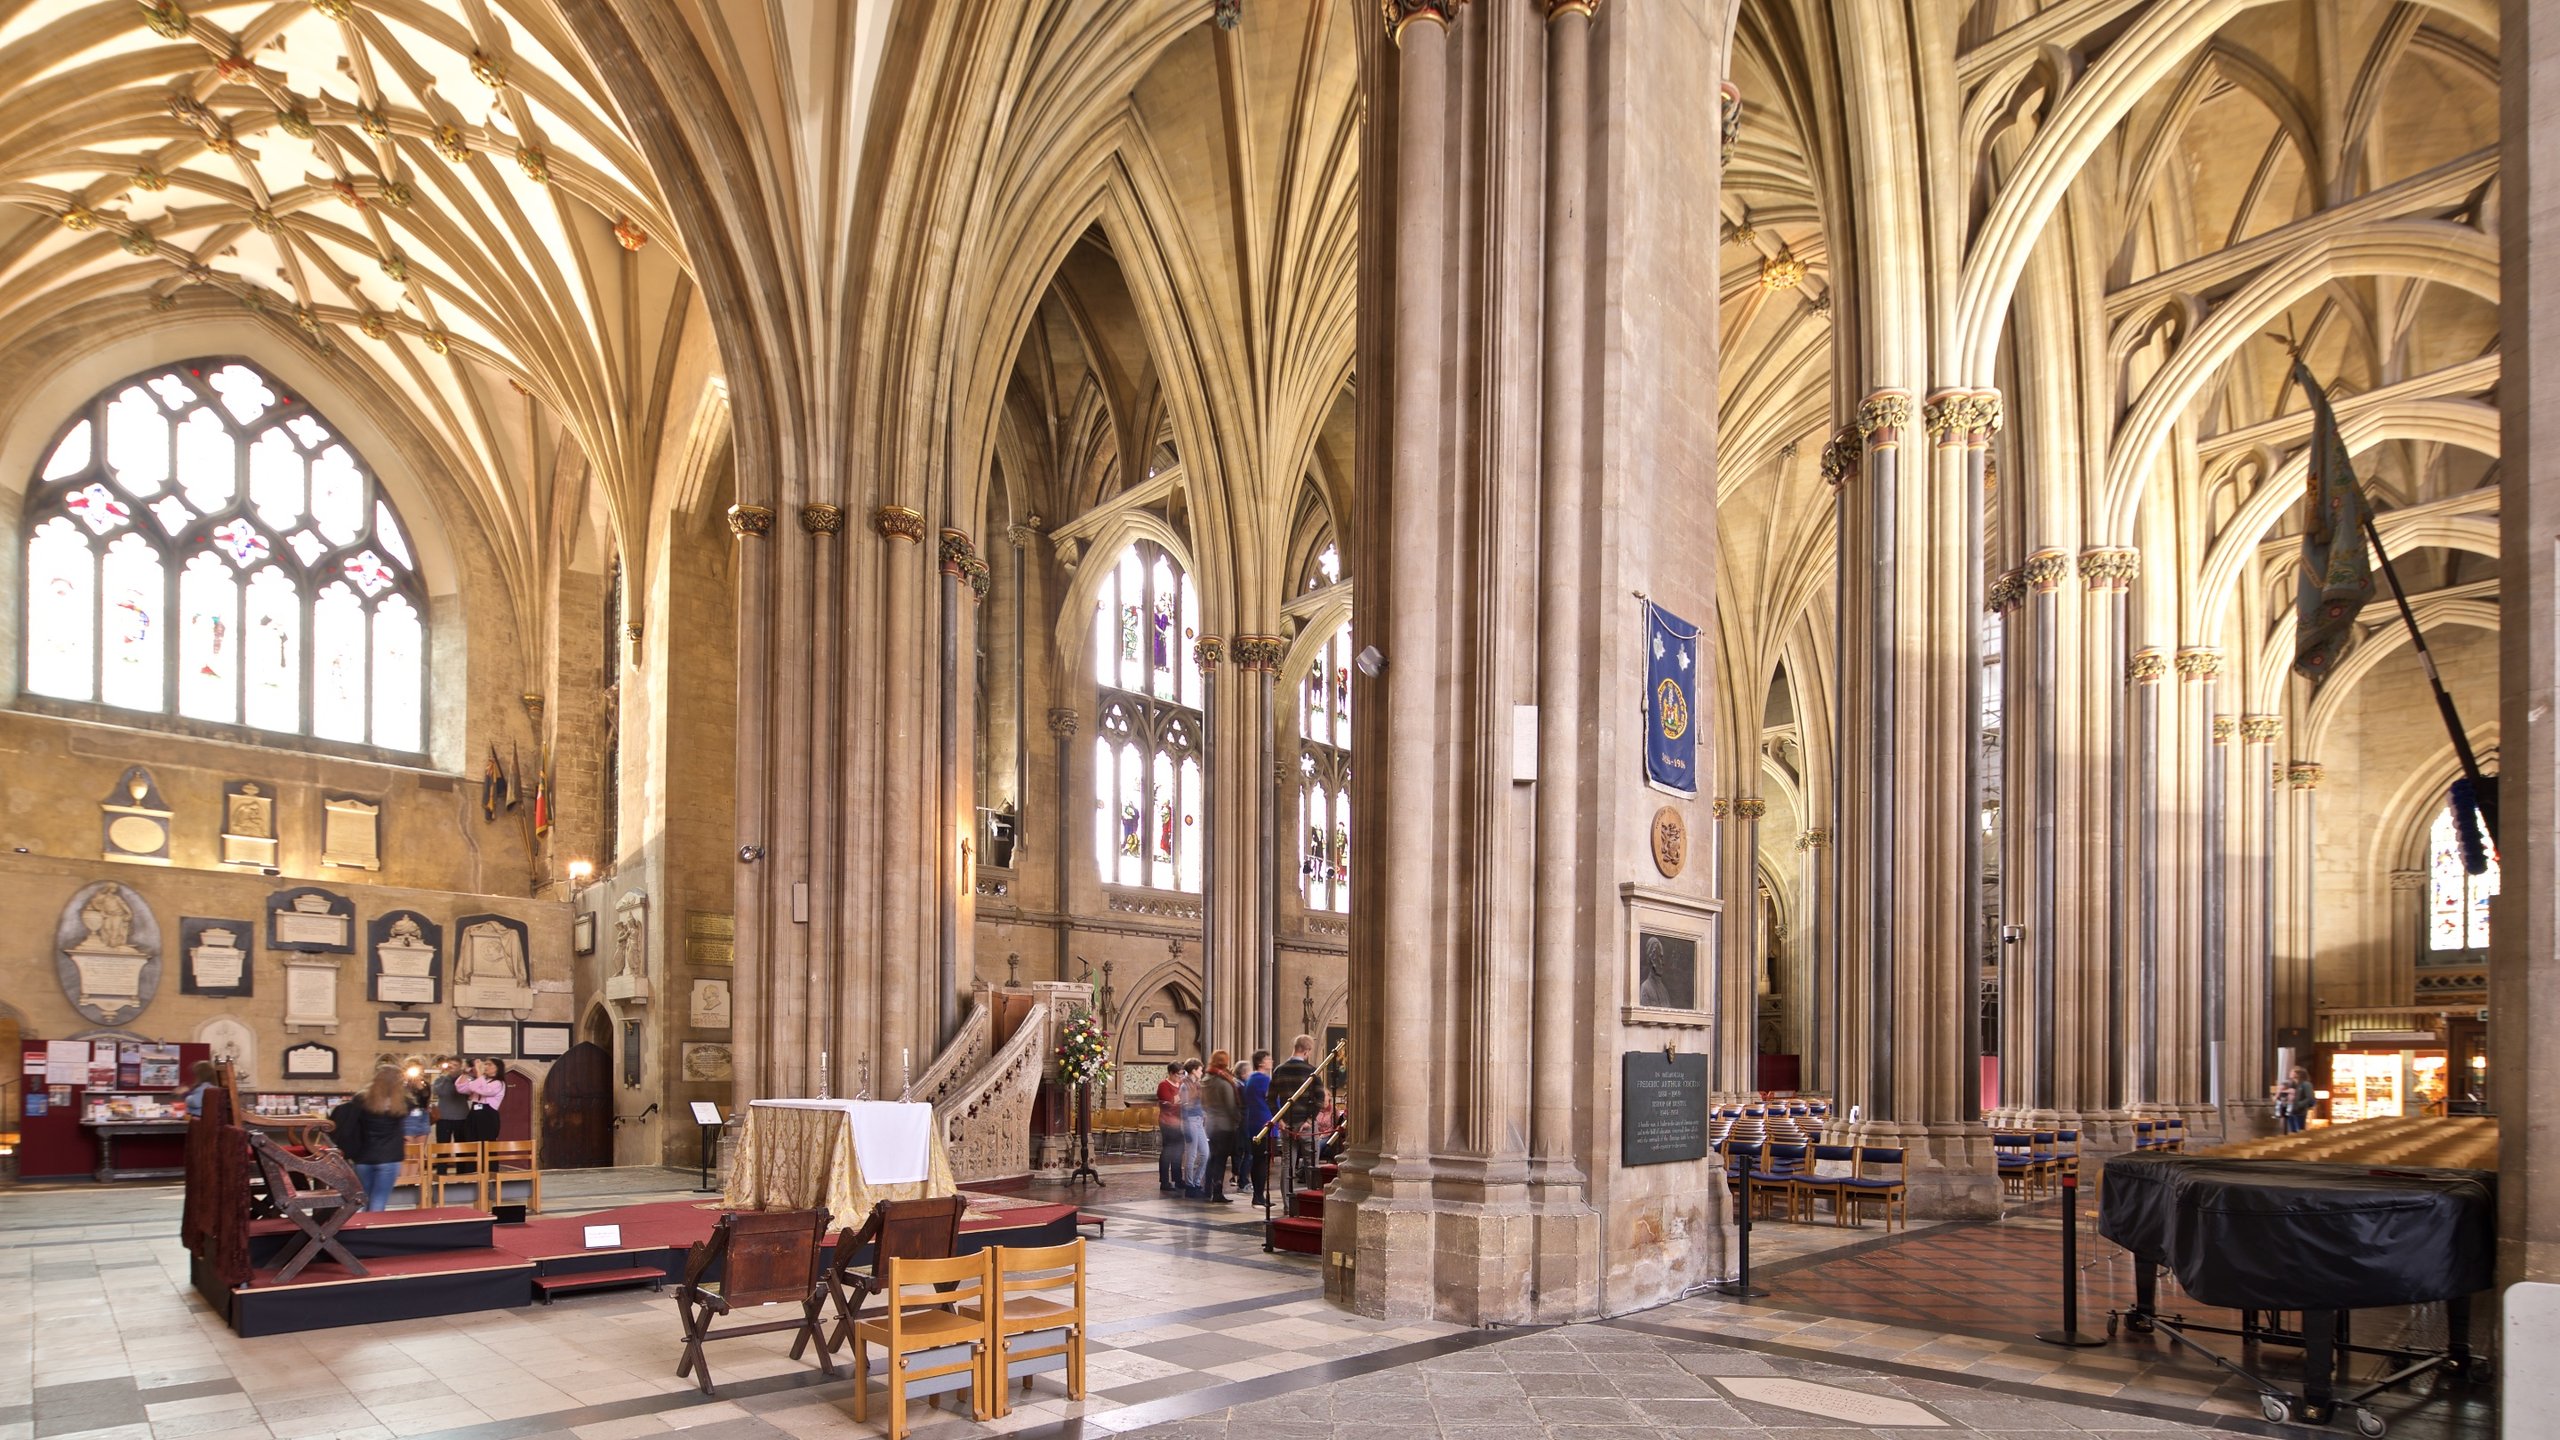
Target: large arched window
(1146, 750)
(1324, 775)
(2457, 901)
(201, 543)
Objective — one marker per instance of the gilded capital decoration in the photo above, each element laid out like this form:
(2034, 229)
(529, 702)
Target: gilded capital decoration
(1063, 722)
(897, 522)
(2197, 663)
(1728, 120)
(1750, 807)
(2046, 569)
(2006, 592)
(1558, 9)
(2261, 729)
(335, 9)
(1209, 652)
(1992, 412)
(1840, 456)
(2110, 568)
(1883, 416)
(821, 518)
(165, 19)
(1814, 840)
(750, 521)
(1722, 808)
(2223, 726)
(960, 560)
(1948, 416)
(1782, 271)
(1399, 14)
(2302, 774)
(1260, 652)
(2146, 667)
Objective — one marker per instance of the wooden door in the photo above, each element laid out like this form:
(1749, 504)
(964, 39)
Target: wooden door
(577, 1110)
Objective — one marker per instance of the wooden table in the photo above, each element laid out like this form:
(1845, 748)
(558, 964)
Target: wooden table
(109, 1131)
(795, 1154)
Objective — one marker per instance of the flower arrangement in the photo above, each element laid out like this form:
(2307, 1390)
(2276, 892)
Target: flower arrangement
(1084, 1049)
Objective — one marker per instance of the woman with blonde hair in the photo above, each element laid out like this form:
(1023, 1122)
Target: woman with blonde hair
(368, 1131)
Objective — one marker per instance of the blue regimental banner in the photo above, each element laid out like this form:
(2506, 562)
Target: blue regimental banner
(1670, 693)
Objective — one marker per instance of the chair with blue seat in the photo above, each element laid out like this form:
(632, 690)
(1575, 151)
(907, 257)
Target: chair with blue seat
(2172, 1135)
(2143, 1135)
(1773, 1179)
(2013, 1154)
(1879, 1182)
(1826, 1173)
(2066, 1154)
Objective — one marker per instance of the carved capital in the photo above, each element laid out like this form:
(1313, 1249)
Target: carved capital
(1209, 652)
(747, 521)
(1750, 807)
(1814, 840)
(2197, 663)
(821, 518)
(1063, 722)
(897, 522)
(1949, 417)
(2110, 568)
(2408, 879)
(2006, 592)
(2046, 570)
(1558, 9)
(1401, 15)
(2261, 729)
(957, 552)
(1260, 652)
(1840, 456)
(1991, 412)
(1728, 120)
(1883, 416)
(1722, 807)
(2146, 667)
(2223, 727)
(2303, 774)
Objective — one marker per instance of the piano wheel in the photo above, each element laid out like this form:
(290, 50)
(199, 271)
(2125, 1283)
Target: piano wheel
(2276, 1408)
(2370, 1424)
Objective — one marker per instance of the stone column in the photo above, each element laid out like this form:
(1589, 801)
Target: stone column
(952, 835)
(1815, 846)
(2045, 574)
(2181, 907)
(826, 977)
(753, 1010)
(2142, 1079)
(1217, 816)
(2524, 967)
(1069, 804)
(1747, 948)
(905, 1013)
(2252, 982)
(2092, 986)
(1248, 922)
(2296, 899)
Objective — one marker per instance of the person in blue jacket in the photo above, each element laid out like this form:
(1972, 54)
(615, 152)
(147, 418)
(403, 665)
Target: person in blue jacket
(1253, 1148)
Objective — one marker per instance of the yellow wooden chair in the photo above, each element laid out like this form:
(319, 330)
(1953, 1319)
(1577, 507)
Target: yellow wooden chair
(1036, 1330)
(453, 1165)
(514, 1160)
(929, 1350)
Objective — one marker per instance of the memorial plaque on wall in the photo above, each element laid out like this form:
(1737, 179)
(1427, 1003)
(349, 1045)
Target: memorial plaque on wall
(410, 1025)
(492, 968)
(1662, 1102)
(311, 919)
(217, 957)
(107, 953)
(311, 1061)
(405, 959)
(544, 1040)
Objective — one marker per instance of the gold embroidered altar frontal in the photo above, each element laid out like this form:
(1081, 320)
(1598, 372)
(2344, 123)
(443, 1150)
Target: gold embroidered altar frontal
(794, 1156)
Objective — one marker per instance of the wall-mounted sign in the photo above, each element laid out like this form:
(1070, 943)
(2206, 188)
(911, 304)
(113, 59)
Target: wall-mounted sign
(217, 957)
(406, 964)
(1662, 1104)
(312, 920)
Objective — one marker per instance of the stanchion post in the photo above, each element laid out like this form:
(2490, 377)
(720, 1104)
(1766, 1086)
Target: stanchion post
(2070, 1334)
(1739, 1287)
(710, 1152)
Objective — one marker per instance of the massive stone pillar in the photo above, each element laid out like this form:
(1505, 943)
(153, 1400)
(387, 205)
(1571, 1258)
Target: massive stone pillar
(2524, 945)
(2249, 974)
(1537, 259)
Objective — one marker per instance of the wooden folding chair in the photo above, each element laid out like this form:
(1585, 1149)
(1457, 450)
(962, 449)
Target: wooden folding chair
(929, 1350)
(513, 1160)
(903, 1229)
(763, 1257)
(318, 1209)
(1035, 1331)
(453, 1164)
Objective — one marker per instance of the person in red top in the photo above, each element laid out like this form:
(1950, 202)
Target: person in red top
(1169, 1130)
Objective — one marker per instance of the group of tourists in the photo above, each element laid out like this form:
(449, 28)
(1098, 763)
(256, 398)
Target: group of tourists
(1212, 1124)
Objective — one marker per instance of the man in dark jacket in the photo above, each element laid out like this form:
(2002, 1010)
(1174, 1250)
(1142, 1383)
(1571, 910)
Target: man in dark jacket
(1297, 1093)
(451, 1109)
(1222, 1104)
(1253, 1147)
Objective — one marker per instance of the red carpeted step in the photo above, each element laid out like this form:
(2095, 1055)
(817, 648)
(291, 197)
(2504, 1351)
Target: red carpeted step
(1298, 1237)
(550, 1285)
(1307, 1205)
(380, 1233)
(1326, 1172)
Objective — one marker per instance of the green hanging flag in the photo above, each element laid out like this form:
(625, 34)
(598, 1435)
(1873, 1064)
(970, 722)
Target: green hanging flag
(2337, 572)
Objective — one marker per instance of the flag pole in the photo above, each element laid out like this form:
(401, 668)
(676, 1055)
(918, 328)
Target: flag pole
(2483, 793)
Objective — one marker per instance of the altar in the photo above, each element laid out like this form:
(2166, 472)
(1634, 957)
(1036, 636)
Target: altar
(848, 1155)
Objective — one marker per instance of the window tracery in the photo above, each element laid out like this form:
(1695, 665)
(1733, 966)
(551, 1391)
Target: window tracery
(2457, 901)
(1147, 750)
(201, 542)
(1324, 775)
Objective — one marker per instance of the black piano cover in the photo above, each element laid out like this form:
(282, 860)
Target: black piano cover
(2302, 1235)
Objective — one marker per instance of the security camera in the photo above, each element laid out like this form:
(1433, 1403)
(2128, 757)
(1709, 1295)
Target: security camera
(750, 854)
(1371, 663)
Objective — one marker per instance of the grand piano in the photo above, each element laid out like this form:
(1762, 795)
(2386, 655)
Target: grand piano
(2321, 1239)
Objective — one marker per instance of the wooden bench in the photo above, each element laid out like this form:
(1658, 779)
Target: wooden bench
(549, 1285)
(1087, 1217)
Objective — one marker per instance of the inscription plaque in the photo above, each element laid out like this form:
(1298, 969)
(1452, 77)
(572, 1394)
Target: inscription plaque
(1662, 1104)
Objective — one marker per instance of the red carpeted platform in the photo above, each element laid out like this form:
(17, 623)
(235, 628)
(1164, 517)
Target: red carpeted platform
(453, 1261)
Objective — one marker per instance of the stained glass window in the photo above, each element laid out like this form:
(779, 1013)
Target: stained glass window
(1324, 776)
(2457, 901)
(1148, 814)
(271, 586)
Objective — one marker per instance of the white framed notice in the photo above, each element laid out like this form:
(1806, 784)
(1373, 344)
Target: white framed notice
(495, 1039)
(705, 1113)
(536, 1040)
(604, 1237)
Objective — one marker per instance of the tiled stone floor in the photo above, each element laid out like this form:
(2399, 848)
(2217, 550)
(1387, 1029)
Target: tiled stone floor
(1198, 1332)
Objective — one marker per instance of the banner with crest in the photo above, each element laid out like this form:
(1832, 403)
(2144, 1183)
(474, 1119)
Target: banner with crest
(1670, 695)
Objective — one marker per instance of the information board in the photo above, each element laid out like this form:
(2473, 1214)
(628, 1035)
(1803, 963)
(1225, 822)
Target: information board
(1662, 1103)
